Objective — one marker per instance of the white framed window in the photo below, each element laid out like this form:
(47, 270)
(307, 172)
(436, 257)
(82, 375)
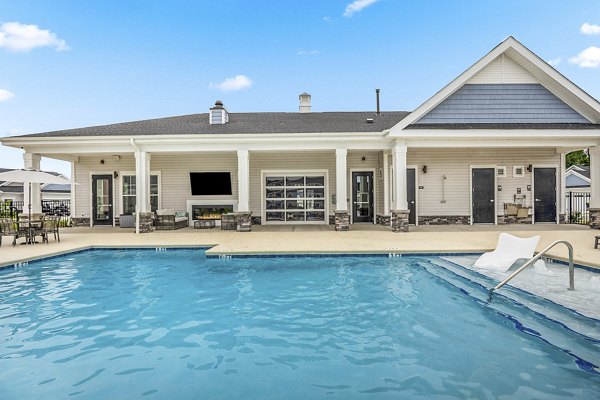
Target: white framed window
(128, 192)
(518, 171)
(501, 171)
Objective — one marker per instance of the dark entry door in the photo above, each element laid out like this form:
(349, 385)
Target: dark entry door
(484, 203)
(544, 190)
(102, 196)
(411, 195)
(362, 196)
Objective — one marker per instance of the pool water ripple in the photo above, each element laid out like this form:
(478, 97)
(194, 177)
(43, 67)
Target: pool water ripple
(175, 324)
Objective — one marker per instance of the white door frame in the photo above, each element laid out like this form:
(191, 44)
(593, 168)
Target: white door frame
(557, 187)
(114, 193)
(351, 189)
(471, 168)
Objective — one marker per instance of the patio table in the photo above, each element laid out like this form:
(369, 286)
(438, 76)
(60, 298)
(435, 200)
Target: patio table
(31, 226)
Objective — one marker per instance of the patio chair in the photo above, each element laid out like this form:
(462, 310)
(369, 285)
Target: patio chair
(508, 250)
(50, 226)
(8, 227)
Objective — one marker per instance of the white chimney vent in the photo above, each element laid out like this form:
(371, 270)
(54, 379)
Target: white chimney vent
(305, 103)
(218, 114)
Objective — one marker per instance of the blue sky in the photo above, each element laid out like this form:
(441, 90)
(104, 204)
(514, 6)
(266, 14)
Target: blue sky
(67, 64)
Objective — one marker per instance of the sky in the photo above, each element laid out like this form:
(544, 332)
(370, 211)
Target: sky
(69, 64)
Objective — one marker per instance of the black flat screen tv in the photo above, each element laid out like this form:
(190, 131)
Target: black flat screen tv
(210, 183)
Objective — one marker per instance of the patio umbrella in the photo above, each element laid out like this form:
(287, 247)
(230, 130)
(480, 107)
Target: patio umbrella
(29, 176)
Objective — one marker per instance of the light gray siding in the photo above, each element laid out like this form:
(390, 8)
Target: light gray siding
(502, 103)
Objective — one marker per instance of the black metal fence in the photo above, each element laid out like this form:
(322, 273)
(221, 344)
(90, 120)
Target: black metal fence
(60, 208)
(577, 208)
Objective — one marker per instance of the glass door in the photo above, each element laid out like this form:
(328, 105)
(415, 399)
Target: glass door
(102, 195)
(362, 194)
(295, 199)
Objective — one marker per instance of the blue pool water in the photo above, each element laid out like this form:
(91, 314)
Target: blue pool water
(129, 324)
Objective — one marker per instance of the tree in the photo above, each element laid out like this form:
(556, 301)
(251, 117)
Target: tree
(579, 157)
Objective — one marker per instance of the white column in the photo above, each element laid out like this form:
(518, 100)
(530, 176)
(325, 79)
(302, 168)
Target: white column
(563, 185)
(341, 180)
(142, 181)
(243, 181)
(386, 184)
(399, 162)
(595, 176)
(32, 161)
(73, 196)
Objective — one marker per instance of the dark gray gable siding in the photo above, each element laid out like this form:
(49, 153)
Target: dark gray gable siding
(502, 103)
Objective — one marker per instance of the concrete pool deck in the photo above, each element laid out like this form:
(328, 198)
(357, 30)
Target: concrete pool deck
(314, 239)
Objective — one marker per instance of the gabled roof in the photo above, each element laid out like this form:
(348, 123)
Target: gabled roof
(240, 123)
(582, 170)
(545, 74)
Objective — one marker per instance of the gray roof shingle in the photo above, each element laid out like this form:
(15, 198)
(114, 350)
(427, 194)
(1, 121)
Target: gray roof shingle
(267, 122)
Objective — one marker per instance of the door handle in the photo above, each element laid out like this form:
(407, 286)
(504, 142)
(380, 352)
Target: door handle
(412, 202)
(492, 200)
(537, 200)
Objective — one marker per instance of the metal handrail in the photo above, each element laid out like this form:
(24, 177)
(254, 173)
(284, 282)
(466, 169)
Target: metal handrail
(537, 257)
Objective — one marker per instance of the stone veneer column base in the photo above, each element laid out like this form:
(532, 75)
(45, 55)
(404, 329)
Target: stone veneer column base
(80, 221)
(400, 220)
(384, 220)
(244, 221)
(146, 222)
(594, 218)
(342, 221)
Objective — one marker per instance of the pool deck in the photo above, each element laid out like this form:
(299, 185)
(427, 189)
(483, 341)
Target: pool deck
(314, 239)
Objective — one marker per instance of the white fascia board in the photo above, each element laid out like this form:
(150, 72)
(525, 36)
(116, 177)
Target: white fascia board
(570, 172)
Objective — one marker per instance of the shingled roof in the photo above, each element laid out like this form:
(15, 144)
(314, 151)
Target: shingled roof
(240, 123)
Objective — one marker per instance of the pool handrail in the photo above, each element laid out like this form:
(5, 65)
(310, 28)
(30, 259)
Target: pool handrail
(537, 257)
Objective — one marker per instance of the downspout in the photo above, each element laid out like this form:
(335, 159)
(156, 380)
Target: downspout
(137, 206)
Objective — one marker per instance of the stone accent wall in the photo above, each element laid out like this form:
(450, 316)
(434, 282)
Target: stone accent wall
(400, 220)
(444, 220)
(511, 219)
(80, 221)
(563, 219)
(146, 222)
(244, 221)
(383, 219)
(342, 221)
(594, 218)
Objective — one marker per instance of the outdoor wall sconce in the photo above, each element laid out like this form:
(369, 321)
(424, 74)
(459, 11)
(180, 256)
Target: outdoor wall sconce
(115, 174)
(529, 168)
(364, 158)
(102, 162)
(424, 169)
(499, 188)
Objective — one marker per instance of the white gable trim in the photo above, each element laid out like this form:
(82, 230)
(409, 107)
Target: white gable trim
(593, 107)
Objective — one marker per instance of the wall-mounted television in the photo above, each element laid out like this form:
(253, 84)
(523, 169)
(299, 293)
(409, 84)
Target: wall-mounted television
(210, 183)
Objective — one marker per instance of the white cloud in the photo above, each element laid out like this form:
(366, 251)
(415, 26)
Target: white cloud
(18, 37)
(357, 6)
(588, 58)
(6, 95)
(590, 29)
(307, 52)
(238, 82)
(555, 61)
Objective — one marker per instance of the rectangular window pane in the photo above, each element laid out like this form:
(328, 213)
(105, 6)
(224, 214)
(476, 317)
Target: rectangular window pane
(315, 204)
(274, 216)
(275, 205)
(315, 216)
(274, 181)
(294, 204)
(154, 184)
(294, 181)
(293, 193)
(315, 181)
(274, 193)
(129, 185)
(294, 216)
(128, 204)
(153, 203)
(315, 192)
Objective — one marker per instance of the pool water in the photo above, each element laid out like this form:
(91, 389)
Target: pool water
(129, 324)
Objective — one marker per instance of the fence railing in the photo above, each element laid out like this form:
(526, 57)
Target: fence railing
(577, 204)
(60, 208)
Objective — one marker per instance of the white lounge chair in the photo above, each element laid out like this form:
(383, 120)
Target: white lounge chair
(508, 250)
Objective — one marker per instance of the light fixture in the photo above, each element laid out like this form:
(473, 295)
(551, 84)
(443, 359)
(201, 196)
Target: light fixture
(115, 174)
(102, 162)
(529, 168)
(424, 169)
(364, 158)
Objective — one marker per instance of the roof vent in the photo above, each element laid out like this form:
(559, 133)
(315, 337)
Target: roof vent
(218, 114)
(304, 102)
(369, 120)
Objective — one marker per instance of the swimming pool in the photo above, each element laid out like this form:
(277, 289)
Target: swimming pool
(109, 324)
